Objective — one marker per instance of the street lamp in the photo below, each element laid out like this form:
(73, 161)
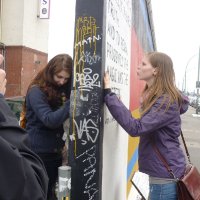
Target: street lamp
(198, 85)
(186, 68)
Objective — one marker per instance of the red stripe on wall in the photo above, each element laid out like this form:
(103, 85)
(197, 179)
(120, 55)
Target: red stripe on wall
(136, 86)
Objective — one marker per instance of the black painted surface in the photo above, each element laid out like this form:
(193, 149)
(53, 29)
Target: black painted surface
(85, 144)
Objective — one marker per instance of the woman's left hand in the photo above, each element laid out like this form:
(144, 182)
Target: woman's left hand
(106, 81)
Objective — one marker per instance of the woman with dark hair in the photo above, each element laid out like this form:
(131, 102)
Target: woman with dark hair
(47, 107)
(159, 126)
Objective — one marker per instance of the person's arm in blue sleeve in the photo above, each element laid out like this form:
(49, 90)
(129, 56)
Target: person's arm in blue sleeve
(50, 118)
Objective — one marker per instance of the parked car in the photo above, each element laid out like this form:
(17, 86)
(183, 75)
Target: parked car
(15, 104)
(192, 100)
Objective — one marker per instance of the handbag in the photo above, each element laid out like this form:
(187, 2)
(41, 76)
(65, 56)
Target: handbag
(188, 186)
(22, 119)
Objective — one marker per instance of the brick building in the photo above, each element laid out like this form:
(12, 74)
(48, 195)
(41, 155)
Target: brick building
(23, 42)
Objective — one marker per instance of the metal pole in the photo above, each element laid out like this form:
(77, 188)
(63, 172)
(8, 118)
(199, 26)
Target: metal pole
(186, 71)
(185, 79)
(197, 101)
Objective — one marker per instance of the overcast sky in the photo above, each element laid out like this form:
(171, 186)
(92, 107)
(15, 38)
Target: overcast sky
(177, 30)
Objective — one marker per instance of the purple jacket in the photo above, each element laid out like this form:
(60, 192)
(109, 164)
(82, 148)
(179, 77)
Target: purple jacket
(162, 126)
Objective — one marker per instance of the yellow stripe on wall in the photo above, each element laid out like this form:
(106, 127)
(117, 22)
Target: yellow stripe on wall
(132, 150)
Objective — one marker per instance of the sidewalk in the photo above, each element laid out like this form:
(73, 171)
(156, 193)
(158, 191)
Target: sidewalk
(191, 132)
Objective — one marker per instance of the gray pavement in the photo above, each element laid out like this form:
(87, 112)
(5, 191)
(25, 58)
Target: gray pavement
(191, 132)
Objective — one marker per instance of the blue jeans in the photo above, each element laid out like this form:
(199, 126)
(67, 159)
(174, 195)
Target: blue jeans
(163, 191)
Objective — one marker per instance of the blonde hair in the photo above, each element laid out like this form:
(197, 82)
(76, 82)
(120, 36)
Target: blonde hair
(164, 83)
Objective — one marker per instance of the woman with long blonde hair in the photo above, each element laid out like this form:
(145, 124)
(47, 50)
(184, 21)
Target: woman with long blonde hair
(159, 125)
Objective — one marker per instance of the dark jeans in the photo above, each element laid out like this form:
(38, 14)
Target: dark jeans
(51, 162)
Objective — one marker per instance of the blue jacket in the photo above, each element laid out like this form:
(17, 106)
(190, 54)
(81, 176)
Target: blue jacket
(161, 126)
(44, 126)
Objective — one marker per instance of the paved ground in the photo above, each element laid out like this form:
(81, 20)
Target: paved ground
(191, 132)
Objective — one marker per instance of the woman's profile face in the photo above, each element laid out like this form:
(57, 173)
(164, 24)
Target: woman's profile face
(61, 78)
(146, 71)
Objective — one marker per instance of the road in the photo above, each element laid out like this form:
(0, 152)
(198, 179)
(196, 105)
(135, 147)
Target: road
(191, 132)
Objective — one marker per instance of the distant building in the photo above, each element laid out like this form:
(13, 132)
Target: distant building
(23, 42)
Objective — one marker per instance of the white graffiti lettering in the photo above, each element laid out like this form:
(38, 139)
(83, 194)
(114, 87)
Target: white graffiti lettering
(89, 40)
(86, 80)
(88, 158)
(87, 128)
(88, 58)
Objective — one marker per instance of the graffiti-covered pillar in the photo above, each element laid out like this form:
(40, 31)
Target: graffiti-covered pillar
(102, 42)
(85, 144)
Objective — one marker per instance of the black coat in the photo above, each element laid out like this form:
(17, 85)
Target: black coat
(22, 173)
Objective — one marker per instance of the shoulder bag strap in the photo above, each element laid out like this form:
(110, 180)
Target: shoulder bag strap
(186, 149)
(161, 157)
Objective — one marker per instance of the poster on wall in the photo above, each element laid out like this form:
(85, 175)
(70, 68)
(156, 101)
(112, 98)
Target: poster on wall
(117, 46)
(118, 16)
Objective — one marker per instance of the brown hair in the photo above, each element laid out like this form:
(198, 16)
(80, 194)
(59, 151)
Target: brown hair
(164, 83)
(45, 81)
